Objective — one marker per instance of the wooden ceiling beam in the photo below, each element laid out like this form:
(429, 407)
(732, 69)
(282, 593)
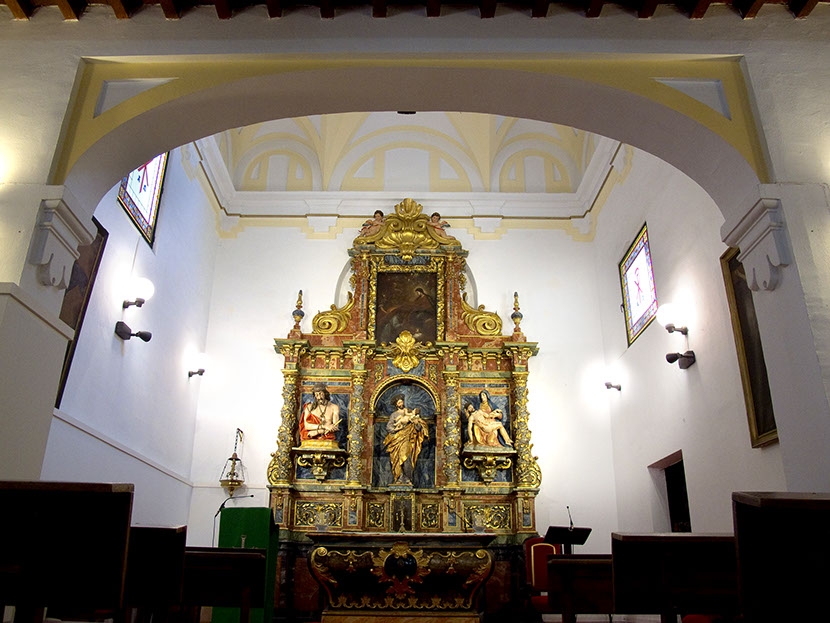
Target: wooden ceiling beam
(274, 8)
(379, 8)
(540, 8)
(647, 8)
(21, 9)
(433, 8)
(487, 8)
(748, 8)
(172, 9)
(123, 9)
(802, 8)
(593, 8)
(72, 9)
(224, 10)
(698, 9)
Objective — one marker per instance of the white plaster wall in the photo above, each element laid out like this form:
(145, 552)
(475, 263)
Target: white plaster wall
(138, 394)
(662, 409)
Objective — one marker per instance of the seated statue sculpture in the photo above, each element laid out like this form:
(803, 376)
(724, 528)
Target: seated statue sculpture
(484, 428)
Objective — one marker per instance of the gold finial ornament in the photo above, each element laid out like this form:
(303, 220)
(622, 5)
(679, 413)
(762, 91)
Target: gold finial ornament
(407, 351)
(334, 320)
(407, 231)
(479, 321)
(298, 313)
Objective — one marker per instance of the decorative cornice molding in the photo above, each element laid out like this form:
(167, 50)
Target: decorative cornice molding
(252, 204)
(60, 229)
(761, 235)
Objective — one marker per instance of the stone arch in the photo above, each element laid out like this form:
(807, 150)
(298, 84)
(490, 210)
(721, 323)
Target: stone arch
(634, 119)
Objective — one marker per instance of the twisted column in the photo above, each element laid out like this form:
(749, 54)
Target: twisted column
(279, 469)
(357, 426)
(452, 432)
(527, 469)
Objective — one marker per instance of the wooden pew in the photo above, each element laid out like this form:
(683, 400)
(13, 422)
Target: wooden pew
(63, 545)
(783, 546)
(215, 576)
(155, 572)
(580, 584)
(677, 573)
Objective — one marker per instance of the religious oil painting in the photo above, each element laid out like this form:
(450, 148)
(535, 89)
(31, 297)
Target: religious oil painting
(637, 283)
(406, 301)
(403, 448)
(762, 427)
(140, 194)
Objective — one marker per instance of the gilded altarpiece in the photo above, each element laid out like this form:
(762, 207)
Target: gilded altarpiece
(404, 410)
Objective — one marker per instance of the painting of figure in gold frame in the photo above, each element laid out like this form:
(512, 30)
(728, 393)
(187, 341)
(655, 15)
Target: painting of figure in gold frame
(407, 297)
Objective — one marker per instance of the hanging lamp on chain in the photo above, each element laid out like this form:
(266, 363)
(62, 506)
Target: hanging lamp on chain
(233, 474)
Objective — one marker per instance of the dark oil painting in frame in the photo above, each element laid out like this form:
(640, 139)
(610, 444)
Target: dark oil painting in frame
(406, 301)
(760, 416)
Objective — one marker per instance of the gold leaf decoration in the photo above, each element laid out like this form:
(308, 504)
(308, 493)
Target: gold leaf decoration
(407, 351)
(479, 321)
(407, 231)
(333, 321)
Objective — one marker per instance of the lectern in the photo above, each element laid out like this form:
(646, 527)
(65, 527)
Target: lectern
(568, 536)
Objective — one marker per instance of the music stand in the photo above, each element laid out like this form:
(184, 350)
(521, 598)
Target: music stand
(567, 536)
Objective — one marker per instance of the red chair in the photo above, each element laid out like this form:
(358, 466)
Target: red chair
(536, 568)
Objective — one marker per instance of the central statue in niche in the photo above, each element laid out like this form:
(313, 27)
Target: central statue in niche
(405, 434)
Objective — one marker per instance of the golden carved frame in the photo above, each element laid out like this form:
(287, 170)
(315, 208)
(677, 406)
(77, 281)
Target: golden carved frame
(436, 265)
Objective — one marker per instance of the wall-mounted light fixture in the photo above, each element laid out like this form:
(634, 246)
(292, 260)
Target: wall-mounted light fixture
(610, 385)
(142, 290)
(684, 360)
(195, 363)
(671, 317)
(125, 333)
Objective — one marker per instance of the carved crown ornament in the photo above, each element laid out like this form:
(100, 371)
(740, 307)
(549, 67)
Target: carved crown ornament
(407, 352)
(406, 231)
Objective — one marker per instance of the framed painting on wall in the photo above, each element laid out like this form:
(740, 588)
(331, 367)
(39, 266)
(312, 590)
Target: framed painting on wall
(140, 194)
(637, 282)
(407, 300)
(76, 297)
(760, 416)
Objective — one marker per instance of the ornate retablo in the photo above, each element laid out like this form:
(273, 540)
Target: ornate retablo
(404, 410)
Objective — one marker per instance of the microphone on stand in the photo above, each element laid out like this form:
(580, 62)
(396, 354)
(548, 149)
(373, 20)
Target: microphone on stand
(221, 506)
(570, 519)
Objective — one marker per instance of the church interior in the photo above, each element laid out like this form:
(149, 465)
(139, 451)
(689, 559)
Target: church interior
(544, 145)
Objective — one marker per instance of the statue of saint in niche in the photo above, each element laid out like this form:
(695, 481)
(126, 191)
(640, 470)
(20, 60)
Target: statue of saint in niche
(405, 434)
(484, 424)
(320, 418)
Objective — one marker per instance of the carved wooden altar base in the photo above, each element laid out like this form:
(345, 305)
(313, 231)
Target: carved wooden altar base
(400, 577)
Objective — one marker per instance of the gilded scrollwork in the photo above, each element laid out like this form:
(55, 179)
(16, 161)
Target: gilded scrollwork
(407, 231)
(376, 515)
(311, 514)
(407, 351)
(489, 516)
(429, 515)
(335, 320)
(479, 321)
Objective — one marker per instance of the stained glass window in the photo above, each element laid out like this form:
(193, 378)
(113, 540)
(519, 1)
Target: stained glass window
(638, 291)
(139, 195)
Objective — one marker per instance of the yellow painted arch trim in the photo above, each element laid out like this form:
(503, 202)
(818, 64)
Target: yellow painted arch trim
(636, 74)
